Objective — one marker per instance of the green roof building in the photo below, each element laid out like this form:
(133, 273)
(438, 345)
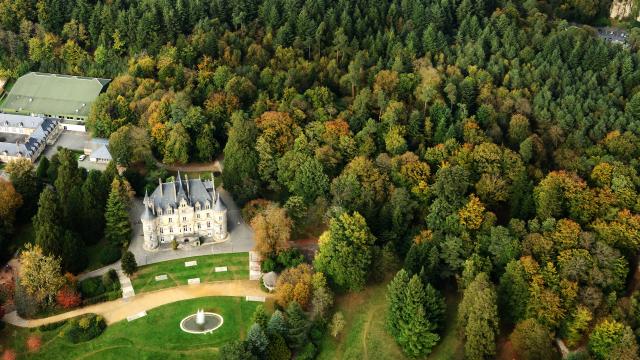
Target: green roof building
(60, 96)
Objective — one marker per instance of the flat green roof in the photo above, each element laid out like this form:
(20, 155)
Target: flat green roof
(53, 94)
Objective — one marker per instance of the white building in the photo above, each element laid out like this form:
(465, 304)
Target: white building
(28, 135)
(183, 210)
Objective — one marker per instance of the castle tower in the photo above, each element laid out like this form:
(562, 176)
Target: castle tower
(220, 219)
(148, 220)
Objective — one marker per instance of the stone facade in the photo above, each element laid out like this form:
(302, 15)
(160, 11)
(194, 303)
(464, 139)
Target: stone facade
(183, 210)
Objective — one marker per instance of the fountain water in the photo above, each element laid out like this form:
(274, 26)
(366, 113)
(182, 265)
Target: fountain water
(201, 322)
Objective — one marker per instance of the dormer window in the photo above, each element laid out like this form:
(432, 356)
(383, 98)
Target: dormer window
(197, 206)
(206, 205)
(159, 211)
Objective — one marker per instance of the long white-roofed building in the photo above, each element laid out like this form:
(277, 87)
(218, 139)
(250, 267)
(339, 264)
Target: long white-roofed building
(183, 210)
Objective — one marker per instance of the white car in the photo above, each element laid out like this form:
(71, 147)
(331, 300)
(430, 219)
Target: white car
(82, 157)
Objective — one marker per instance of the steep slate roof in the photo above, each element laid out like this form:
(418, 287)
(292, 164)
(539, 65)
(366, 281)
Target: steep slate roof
(43, 127)
(41, 93)
(192, 190)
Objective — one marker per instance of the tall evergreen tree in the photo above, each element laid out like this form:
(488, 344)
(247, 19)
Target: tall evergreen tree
(478, 319)
(118, 227)
(241, 159)
(46, 224)
(68, 185)
(93, 207)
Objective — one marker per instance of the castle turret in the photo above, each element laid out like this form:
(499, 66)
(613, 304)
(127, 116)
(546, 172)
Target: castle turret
(220, 218)
(148, 220)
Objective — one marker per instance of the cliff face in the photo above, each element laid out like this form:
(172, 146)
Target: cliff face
(622, 9)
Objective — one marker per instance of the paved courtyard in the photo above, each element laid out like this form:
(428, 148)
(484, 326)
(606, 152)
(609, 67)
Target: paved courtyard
(74, 140)
(240, 236)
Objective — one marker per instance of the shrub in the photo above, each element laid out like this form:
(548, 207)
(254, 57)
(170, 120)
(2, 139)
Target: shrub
(174, 244)
(290, 258)
(34, 342)
(337, 324)
(9, 354)
(68, 298)
(269, 265)
(129, 265)
(86, 328)
(92, 287)
(110, 254)
(110, 279)
(52, 326)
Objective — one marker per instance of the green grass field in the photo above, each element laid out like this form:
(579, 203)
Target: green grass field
(155, 336)
(364, 336)
(237, 265)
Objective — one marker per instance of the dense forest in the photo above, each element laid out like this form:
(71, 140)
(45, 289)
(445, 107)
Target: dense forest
(489, 146)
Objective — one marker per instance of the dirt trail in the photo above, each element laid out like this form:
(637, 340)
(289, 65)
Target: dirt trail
(114, 311)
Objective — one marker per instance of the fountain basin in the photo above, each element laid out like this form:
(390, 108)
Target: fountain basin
(191, 325)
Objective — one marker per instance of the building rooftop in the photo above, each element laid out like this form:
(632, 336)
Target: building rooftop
(53, 94)
(193, 191)
(42, 128)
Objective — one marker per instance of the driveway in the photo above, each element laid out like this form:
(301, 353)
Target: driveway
(117, 310)
(73, 140)
(240, 236)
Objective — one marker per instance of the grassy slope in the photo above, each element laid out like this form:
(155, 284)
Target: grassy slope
(365, 337)
(237, 265)
(156, 336)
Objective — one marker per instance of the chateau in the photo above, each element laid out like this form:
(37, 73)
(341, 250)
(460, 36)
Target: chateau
(183, 210)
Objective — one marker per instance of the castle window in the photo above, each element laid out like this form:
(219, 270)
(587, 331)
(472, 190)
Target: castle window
(184, 218)
(184, 229)
(161, 231)
(170, 229)
(208, 215)
(199, 226)
(170, 219)
(159, 211)
(220, 218)
(198, 216)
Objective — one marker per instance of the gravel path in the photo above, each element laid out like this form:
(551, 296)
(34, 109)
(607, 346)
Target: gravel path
(117, 310)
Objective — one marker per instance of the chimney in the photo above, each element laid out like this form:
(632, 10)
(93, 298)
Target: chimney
(213, 186)
(160, 185)
(186, 179)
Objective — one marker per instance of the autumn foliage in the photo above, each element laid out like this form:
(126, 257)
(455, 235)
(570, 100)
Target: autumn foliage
(34, 342)
(295, 284)
(68, 298)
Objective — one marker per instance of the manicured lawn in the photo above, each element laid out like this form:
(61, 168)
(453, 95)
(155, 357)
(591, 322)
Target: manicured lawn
(237, 268)
(364, 336)
(155, 336)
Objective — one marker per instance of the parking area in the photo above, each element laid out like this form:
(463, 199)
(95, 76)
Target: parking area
(73, 140)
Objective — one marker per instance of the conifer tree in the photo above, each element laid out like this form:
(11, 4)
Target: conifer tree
(396, 300)
(277, 324)
(241, 159)
(257, 340)
(118, 227)
(46, 224)
(298, 326)
(416, 335)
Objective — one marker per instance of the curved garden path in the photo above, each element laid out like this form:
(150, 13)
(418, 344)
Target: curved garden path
(116, 310)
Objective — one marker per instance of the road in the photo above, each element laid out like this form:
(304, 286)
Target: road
(117, 310)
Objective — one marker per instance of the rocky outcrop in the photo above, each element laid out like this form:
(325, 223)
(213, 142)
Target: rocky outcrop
(622, 9)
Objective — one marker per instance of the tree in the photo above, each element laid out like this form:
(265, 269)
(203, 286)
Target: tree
(416, 336)
(295, 284)
(235, 350)
(241, 159)
(257, 340)
(532, 341)
(337, 324)
(277, 324)
(478, 318)
(346, 251)
(611, 336)
(298, 326)
(277, 349)
(129, 264)
(42, 169)
(21, 174)
(396, 299)
(513, 292)
(260, 317)
(176, 149)
(40, 274)
(130, 144)
(46, 224)
(10, 201)
(272, 229)
(118, 227)
(94, 198)
(68, 185)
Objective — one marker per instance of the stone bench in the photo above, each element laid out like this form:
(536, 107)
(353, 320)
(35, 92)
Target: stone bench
(137, 316)
(190, 263)
(194, 281)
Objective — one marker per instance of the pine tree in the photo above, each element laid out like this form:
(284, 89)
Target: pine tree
(118, 227)
(396, 300)
(478, 318)
(277, 324)
(93, 206)
(241, 159)
(298, 325)
(68, 185)
(260, 317)
(416, 336)
(129, 264)
(257, 340)
(46, 224)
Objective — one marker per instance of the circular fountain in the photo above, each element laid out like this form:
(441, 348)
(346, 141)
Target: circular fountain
(201, 322)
